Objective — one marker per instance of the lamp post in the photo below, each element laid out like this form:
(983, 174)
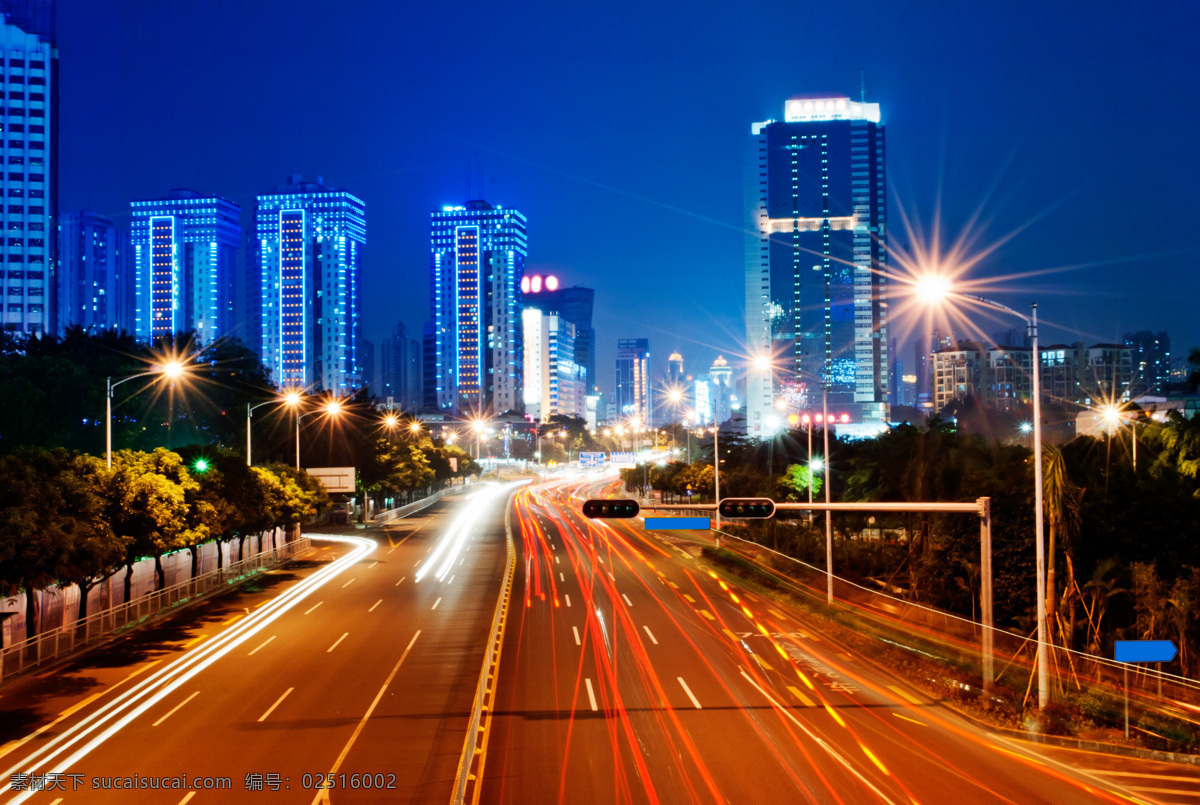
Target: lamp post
(332, 408)
(170, 369)
(250, 409)
(717, 471)
(933, 288)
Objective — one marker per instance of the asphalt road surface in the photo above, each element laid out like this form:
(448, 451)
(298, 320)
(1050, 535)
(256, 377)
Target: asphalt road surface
(631, 673)
(357, 671)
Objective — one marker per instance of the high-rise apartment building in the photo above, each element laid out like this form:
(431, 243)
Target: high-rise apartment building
(184, 250)
(477, 260)
(29, 181)
(815, 295)
(1151, 355)
(94, 290)
(310, 244)
(633, 381)
(400, 369)
(575, 305)
(720, 390)
(553, 382)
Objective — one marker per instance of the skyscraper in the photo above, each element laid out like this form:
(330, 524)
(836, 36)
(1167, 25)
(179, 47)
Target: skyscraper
(477, 259)
(310, 239)
(400, 369)
(574, 304)
(30, 182)
(675, 375)
(184, 251)
(94, 290)
(720, 378)
(1151, 361)
(815, 298)
(633, 381)
(554, 382)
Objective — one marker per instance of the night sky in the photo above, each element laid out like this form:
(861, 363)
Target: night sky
(618, 129)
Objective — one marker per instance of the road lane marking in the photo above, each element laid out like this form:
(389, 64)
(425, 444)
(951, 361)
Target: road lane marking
(402, 578)
(776, 614)
(460, 561)
(611, 576)
(183, 801)
(591, 695)
(913, 720)
(372, 564)
(377, 603)
(451, 580)
(231, 620)
(689, 598)
(335, 643)
(418, 564)
(278, 702)
(314, 606)
(556, 561)
(176, 709)
(874, 759)
(1144, 774)
(194, 640)
(731, 635)
(904, 694)
(688, 691)
(627, 601)
(568, 599)
(347, 584)
(560, 578)
(650, 634)
(834, 713)
(708, 614)
(673, 584)
(435, 603)
(262, 645)
(601, 558)
(807, 702)
(575, 629)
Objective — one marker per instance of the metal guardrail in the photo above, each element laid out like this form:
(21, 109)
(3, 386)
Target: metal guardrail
(416, 505)
(475, 744)
(54, 643)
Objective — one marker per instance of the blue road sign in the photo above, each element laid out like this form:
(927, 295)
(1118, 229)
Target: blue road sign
(678, 524)
(1145, 651)
(591, 459)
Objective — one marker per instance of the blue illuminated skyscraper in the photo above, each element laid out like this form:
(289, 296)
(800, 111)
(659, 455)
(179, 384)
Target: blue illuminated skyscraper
(815, 296)
(29, 180)
(477, 259)
(310, 240)
(184, 251)
(94, 290)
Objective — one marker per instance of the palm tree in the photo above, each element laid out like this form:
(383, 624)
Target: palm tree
(1061, 501)
(1100, 591)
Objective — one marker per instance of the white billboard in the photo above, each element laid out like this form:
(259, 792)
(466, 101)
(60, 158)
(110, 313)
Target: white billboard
(336, 479)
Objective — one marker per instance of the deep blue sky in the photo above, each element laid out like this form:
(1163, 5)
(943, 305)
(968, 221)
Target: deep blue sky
(617, 128)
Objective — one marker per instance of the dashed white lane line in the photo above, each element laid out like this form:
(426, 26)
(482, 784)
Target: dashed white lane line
(611, 576)
(347, 584)
(556, 561)
(183, 801)
(435, 603)
(278, 702)
(601, 558)
(568, 599)
(335, 643)
(650, 634)
(560, 578)
(627, 601)
(372, 565)
(418, 564)
(591, 695)
(451, 579)
(688, 691)
(262, 645)
(402, 578)
(175, 709)
(575, 629)
(377, 603)
(460, 561)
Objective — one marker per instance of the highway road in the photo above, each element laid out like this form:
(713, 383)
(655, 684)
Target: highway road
(359, 670)
(632, 673)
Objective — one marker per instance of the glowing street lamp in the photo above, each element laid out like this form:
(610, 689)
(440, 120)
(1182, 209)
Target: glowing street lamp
(331, 408)
(1113, 417)
(286, 399)
(171, 368)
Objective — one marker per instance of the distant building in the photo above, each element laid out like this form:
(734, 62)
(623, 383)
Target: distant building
(702, 402)
(816, 298)
(633, 381)
(94, 289)
(675, 375)
(1151, 356)
(720, 389)
(366, 365)
(573, 304)
(554, 383)
(400, 369)
(184, 251)
(30, 182)
(311, 244)
(477, 260)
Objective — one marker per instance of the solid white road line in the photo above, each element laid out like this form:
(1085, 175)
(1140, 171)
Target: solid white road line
(651, 635)
(278, 702)
(314, 606)
(575, 629)
(591, 695)
(335, 643)
(435, 603)
(262, 645)
(347, 584)
(688, 691)
(627, 601)
(377, 603)
(568, 599)
(176, 708)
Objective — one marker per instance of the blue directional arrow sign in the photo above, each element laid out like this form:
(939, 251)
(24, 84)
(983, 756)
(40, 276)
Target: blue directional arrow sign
(1145, 651)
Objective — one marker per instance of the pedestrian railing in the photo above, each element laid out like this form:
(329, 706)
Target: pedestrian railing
(52, 644)
(415, 506)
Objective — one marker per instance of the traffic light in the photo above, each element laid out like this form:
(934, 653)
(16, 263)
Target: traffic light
(610, 509)
(200, 466)
(747, 508)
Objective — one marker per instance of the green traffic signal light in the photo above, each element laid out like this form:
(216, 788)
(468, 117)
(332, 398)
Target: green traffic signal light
(610, 509)
(747, 508)
(200, 465)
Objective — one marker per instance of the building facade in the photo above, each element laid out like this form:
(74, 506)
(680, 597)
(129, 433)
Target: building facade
(720, 390)
(94, 290)
(310, 245)
(575, 305)
(477, 260)
(816, 306)
(184, 251)
(400, 369)
(633, 397)
(1151, 355)
(553, 382)
(29, 181)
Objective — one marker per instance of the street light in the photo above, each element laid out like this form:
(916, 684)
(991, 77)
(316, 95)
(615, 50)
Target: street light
(1113, 417)
(331, 408)
(935, 288)
(171, 369)
(251, 408)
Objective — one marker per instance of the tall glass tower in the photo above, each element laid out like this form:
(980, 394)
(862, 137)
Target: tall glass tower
(815, 249)
(310, 240)
(29, 178)
(94, 290)
(633, 382)
(477, 259)
(184, 252)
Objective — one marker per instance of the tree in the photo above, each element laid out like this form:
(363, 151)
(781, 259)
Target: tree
(96, 553)
(797, 478)
(1061, 501)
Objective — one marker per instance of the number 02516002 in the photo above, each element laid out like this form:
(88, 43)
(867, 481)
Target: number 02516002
(351, 781)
